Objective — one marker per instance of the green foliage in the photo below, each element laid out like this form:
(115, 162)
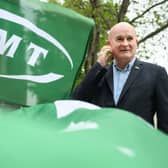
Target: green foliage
(82, 7)
(103, 13)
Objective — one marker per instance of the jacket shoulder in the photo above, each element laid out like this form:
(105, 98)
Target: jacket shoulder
(151, 66)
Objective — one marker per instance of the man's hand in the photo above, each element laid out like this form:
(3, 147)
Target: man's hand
(105, 55)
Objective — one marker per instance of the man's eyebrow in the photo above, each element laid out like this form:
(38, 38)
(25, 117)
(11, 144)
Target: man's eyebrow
(118, 36)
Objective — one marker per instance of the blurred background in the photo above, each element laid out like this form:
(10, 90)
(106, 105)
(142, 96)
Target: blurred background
(150, 19)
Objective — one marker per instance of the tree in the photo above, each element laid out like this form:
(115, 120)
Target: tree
(104, 15)
(150, 20)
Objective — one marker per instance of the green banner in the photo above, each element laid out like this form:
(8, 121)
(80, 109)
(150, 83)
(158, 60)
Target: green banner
(42, 47)
(74, 134)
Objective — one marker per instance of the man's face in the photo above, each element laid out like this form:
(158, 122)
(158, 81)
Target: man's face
(123, 41)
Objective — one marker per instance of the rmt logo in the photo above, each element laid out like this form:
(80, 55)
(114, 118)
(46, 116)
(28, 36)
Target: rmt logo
(9, 46)
(12, 44)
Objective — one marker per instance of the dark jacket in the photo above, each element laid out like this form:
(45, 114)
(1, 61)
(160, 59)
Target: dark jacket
(145, 91)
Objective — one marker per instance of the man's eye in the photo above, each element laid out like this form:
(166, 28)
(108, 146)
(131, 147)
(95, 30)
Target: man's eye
(129, 38)
(119, 39)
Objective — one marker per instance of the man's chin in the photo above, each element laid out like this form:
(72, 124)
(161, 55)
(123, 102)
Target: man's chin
(126, 55)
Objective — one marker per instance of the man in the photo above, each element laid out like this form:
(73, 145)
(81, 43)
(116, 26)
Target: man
(130, 84)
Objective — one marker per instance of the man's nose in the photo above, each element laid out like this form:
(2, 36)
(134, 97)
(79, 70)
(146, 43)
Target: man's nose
(125, 42)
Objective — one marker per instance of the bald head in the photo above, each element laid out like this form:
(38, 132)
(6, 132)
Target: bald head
(122, 26)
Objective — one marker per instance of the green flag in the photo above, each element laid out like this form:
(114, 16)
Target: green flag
(79, 135)
(42, 47)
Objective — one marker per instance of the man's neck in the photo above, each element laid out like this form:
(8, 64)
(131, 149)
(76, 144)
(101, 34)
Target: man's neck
(122, 64)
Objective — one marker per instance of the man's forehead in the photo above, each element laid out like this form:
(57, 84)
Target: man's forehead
(124, 34)
(122, 31)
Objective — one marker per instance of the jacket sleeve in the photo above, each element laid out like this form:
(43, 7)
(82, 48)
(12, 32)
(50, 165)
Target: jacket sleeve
(87, 88)
(162, 100)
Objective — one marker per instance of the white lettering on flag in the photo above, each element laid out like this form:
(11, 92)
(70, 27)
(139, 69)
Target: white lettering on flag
(6, 15)
(12, 44)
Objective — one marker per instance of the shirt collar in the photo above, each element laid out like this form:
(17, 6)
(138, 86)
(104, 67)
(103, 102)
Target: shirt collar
(127, 67)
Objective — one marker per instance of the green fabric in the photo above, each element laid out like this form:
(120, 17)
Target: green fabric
(35, 137)
(42, 46)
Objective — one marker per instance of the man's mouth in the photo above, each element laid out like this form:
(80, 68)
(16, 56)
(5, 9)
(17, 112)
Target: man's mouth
(124, 50)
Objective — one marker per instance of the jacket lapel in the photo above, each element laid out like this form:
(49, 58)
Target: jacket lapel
(131, 78)
(109, 78)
